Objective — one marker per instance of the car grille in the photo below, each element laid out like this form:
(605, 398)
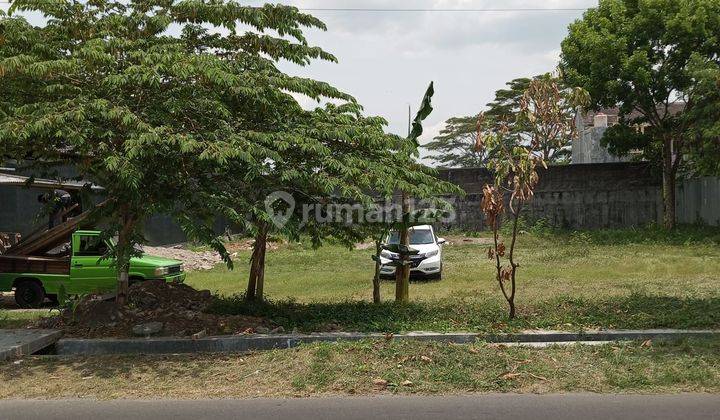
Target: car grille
(415, 260)
(174, 269)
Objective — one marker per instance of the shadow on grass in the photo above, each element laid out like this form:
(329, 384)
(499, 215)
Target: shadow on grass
(636, 311)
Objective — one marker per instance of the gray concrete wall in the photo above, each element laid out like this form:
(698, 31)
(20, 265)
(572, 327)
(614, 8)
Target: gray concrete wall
(589, 196)
(582, 196)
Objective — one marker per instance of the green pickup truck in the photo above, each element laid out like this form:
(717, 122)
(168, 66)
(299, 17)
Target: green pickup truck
(78, 266)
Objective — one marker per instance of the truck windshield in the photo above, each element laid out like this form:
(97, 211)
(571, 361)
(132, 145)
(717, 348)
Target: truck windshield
(417, 237)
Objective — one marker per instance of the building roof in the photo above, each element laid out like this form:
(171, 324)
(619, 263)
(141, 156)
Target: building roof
(24, 181)
(613, 113)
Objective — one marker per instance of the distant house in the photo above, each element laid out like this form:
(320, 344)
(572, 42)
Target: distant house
(591, 126)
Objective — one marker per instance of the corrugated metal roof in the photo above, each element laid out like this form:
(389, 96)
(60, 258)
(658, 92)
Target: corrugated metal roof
(22, 181)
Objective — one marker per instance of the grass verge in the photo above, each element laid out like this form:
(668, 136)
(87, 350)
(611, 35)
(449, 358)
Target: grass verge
(18, 318)
(374, 367)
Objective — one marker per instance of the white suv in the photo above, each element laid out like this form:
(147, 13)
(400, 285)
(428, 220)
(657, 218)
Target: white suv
(427, 263)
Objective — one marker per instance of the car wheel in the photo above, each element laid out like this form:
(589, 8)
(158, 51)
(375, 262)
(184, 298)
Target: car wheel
(29, 294)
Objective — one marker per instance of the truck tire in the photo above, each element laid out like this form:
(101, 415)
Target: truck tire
(29, 294)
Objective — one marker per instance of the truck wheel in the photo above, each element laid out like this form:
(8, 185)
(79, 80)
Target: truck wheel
(29, 294)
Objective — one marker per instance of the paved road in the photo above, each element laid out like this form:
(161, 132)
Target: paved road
(520, 407)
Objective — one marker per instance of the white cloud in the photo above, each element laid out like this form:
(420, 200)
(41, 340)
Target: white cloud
(387, 58)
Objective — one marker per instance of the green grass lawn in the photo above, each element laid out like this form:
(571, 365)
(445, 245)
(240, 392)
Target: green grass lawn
(16, 318)
(374, 367)
(606, 279)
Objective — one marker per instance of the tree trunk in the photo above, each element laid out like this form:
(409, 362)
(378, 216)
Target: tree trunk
(376, 278)
(669, 173)
(511, 258)
(256, 281)
(123, 286)
(123, 258)
(259, 295)
(402, 273)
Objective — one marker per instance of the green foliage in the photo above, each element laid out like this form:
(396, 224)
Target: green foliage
(456, 144)
(105, 87)
(178, 107)
(425, 110)
(62, 296)
(704, 135)
(657, 61)
(454, 147)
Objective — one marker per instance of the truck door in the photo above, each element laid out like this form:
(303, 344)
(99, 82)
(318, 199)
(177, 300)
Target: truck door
(89, 272)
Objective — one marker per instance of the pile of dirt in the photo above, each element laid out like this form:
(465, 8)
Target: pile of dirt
(154, 308)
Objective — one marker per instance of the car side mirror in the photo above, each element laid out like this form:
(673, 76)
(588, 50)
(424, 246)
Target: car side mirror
(441, 241)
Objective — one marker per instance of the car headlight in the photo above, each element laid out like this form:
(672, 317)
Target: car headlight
(162, 271)
(387, 254)
(182, 268)
(431, 253)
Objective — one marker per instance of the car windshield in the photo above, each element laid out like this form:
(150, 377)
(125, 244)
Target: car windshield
(417, 237)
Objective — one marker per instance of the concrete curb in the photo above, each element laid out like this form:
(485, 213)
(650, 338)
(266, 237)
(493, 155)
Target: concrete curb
(19, 343)
(245, 343)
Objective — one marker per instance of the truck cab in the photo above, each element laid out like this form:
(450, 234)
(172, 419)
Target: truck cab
(80, 266)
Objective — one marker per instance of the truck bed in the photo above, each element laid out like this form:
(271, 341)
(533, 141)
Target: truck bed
(39, 265)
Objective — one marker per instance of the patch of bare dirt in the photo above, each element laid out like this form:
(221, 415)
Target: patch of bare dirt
(247, 245)
(178, 307)
(204, 260)
(192, 260)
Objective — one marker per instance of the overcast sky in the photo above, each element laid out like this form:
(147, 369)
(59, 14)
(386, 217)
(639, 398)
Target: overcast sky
(387, 59)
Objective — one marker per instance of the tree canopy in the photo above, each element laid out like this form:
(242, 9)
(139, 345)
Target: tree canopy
(455, 146)
(179, 107)
(654, 60)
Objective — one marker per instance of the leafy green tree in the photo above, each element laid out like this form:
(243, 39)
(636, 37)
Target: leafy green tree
(703, 154)
(145, 100)
(455, 146)
(642, 56)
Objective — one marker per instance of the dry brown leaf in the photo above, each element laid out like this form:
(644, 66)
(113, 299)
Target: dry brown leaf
(542, 378)
(380, 383)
